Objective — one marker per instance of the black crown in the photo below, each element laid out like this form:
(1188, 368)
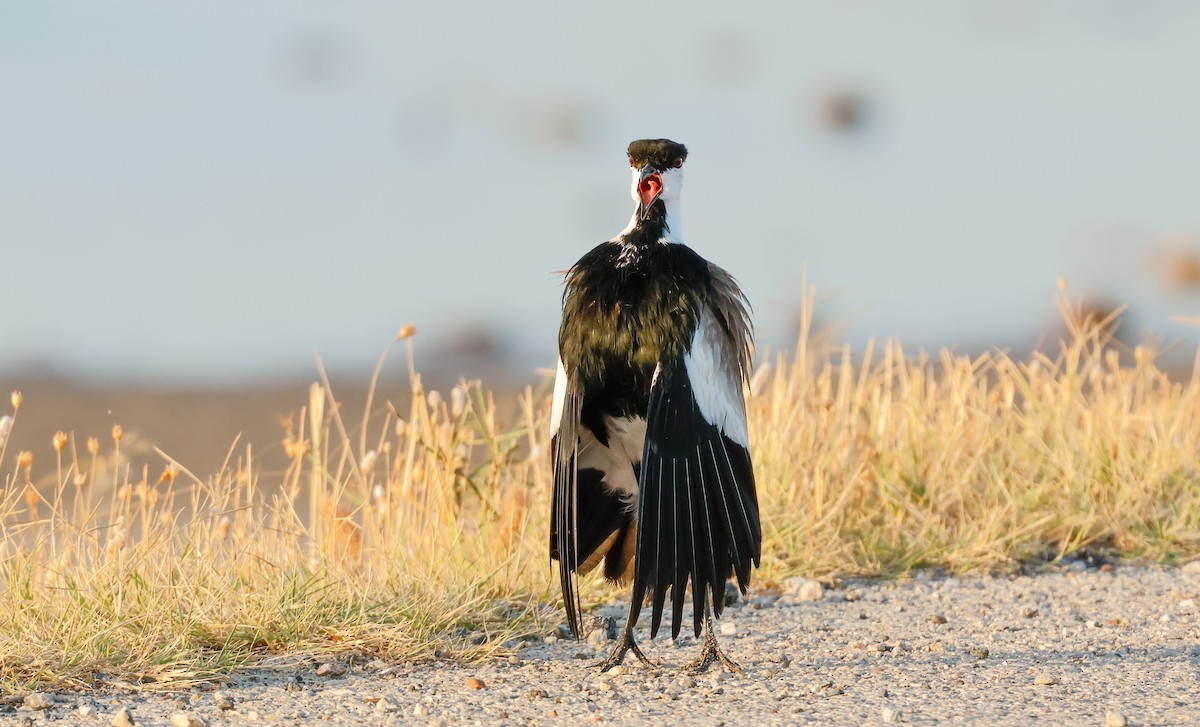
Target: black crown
(656, 153)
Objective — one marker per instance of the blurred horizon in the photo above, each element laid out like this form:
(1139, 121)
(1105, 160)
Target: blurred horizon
(202, 195)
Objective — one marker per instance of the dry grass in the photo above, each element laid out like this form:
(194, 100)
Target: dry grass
(399, 536)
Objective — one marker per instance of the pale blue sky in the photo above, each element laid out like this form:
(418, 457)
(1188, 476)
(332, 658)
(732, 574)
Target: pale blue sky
(210, 190)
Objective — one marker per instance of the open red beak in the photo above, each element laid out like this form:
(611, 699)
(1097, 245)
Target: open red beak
(649, 187)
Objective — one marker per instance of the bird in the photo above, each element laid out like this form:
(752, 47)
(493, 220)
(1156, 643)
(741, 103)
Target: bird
(649, 442)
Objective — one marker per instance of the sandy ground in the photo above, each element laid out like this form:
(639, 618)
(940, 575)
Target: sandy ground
(1074, 646)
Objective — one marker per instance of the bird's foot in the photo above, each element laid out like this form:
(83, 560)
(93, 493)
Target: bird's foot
(625, 644)
(711, 654)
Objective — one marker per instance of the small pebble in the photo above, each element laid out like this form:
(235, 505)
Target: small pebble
(728, 629)
(331, 669)
(222, 701)
(187, 719)
(38, 701)
(979, 652)
(387, 704)
(605, 686)
(938, 619)
(419, 710)
(1115, 719)
(1029, 612)
(889, 715)
(1045, 680)
(537, 694)
(475, 683)
(122, 718)
(811, 591)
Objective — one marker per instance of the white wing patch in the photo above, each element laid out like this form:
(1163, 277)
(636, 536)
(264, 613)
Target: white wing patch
(560, 396)
(626, 436)
(712, 367)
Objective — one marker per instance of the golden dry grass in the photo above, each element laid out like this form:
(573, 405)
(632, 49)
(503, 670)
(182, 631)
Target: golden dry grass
(402, 535)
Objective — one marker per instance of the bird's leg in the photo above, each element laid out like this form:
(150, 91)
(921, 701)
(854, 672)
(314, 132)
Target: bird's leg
(625, 644)
(711, 652)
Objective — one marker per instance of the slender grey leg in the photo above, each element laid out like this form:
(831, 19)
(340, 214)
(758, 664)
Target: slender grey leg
(625, 644)
(711, 652)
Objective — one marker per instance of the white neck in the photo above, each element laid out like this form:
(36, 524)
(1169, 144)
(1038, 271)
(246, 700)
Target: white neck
(672, 180)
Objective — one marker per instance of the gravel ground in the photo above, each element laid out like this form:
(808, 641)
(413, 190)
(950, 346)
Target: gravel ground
(1089, 646)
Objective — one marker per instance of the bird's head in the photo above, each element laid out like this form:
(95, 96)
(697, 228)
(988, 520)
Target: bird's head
(657, 166)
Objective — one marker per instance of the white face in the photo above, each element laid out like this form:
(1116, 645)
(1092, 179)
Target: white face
(672, 184)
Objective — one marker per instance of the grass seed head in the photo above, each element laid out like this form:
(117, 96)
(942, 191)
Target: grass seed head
(408, 330)
(16, 399)
(6, 424)
(59, 441)
(25, 459)
(295, 449)
(117, 433)
(458, 401)
(367, 465)
(93, 446)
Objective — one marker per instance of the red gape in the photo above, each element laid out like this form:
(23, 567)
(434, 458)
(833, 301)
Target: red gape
(649, 188)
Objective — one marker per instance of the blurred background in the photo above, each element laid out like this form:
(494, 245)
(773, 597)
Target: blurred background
(196, 197)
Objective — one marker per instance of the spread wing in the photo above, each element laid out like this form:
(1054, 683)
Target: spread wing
(564, 452)
(698, 511)
(592, 518)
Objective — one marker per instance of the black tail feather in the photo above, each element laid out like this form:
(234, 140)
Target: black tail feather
(698, 514)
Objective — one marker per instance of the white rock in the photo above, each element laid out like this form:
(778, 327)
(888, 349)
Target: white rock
(805, 589)
(791, 586)
(812, 591)
(187, 719)
(331, 669)
(889, 715)
(728, 629)
(38, 701)
(387, 704)
(1115, 719)
(122, 718)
